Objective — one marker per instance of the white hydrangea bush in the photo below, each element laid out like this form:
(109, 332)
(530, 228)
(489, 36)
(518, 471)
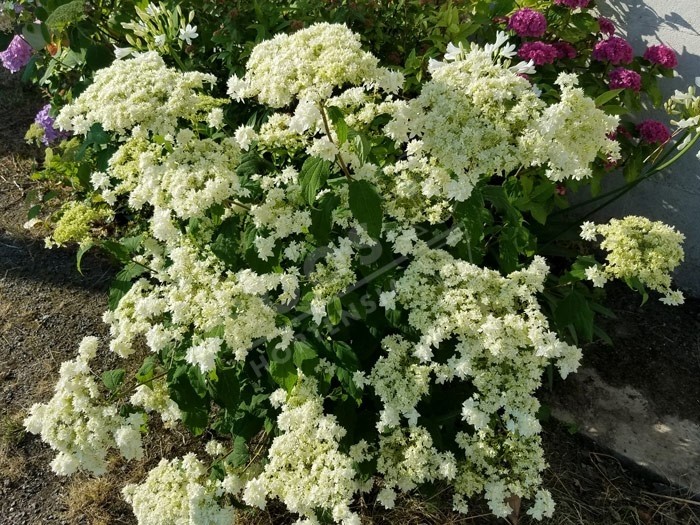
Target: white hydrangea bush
(344, 292)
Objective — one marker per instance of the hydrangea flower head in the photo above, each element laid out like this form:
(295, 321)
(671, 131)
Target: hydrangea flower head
(621, 78)
(565, 50)
(653, 132)
(606, 26)
(47, 122)
(17, 54)
(662, 55)
(539, 52)
(615, 50)
(528, 22)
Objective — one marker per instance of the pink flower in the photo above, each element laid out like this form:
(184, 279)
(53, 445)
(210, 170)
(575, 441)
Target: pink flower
(653, 132)
(621, 78)
(528, 22)
(573, 4)
(17, 54)
(539, 52)
(565, 50)
(615, 50)
(661, 55)
(606, 26)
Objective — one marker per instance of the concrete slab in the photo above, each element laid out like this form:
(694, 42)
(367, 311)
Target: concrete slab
(621, 419)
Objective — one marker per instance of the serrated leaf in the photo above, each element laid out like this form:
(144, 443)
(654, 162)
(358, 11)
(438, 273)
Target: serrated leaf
(366, 207)
(239, 454)
(305, 356)
(113, 379)
(313, 175)
(147, 370)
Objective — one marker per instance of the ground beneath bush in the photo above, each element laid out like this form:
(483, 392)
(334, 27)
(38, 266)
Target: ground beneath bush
(46, 307)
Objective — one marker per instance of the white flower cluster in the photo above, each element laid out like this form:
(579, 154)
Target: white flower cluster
(178, 492)
(139, 91)
(468, 118)
(407, 458)
(638, 248)
(154, 396)
(502, 345)
(569, 135)
(305, 468)
(308, 65)
(78, 425)
(187, 175)
(193, 294)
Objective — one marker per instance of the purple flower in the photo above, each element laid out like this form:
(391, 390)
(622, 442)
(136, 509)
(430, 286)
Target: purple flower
(606, 26)
(17, 54)
(46, 121)
(565, 50)
(653, 132)
(621, 78)
(539, 52)
(661, 55)
(615, 50)
(528, 22)
(573, 4)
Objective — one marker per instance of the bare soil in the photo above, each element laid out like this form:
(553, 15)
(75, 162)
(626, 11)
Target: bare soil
(46, 307)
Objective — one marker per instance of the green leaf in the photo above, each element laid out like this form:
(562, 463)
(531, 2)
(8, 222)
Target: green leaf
(226, 389)
(338, 120)
(195, 409)
(314, 174)
(123, 282)
(472, 216)
(34, 211)
(147, 370)
(97, 57)
(239, 454)
(82, 250)
(225, 243)
(607, 97)
(578, 268)
(366, 207)
(322, 218)
(574, 311)
(36, 35)
(282, 368)
(113, 379)
(346, 356)
(335, 310)
(305, 356)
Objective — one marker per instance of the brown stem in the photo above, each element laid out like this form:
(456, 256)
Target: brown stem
(338, 157)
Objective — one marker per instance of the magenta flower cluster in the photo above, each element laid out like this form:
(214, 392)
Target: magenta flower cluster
(17, 54)
(661, 55)
(47, 122)
(606, 26)
(539, 52)
(528, 22)
(621, 78)
(653, 132)
(615, 50)
(573, 4)
(565, 50)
